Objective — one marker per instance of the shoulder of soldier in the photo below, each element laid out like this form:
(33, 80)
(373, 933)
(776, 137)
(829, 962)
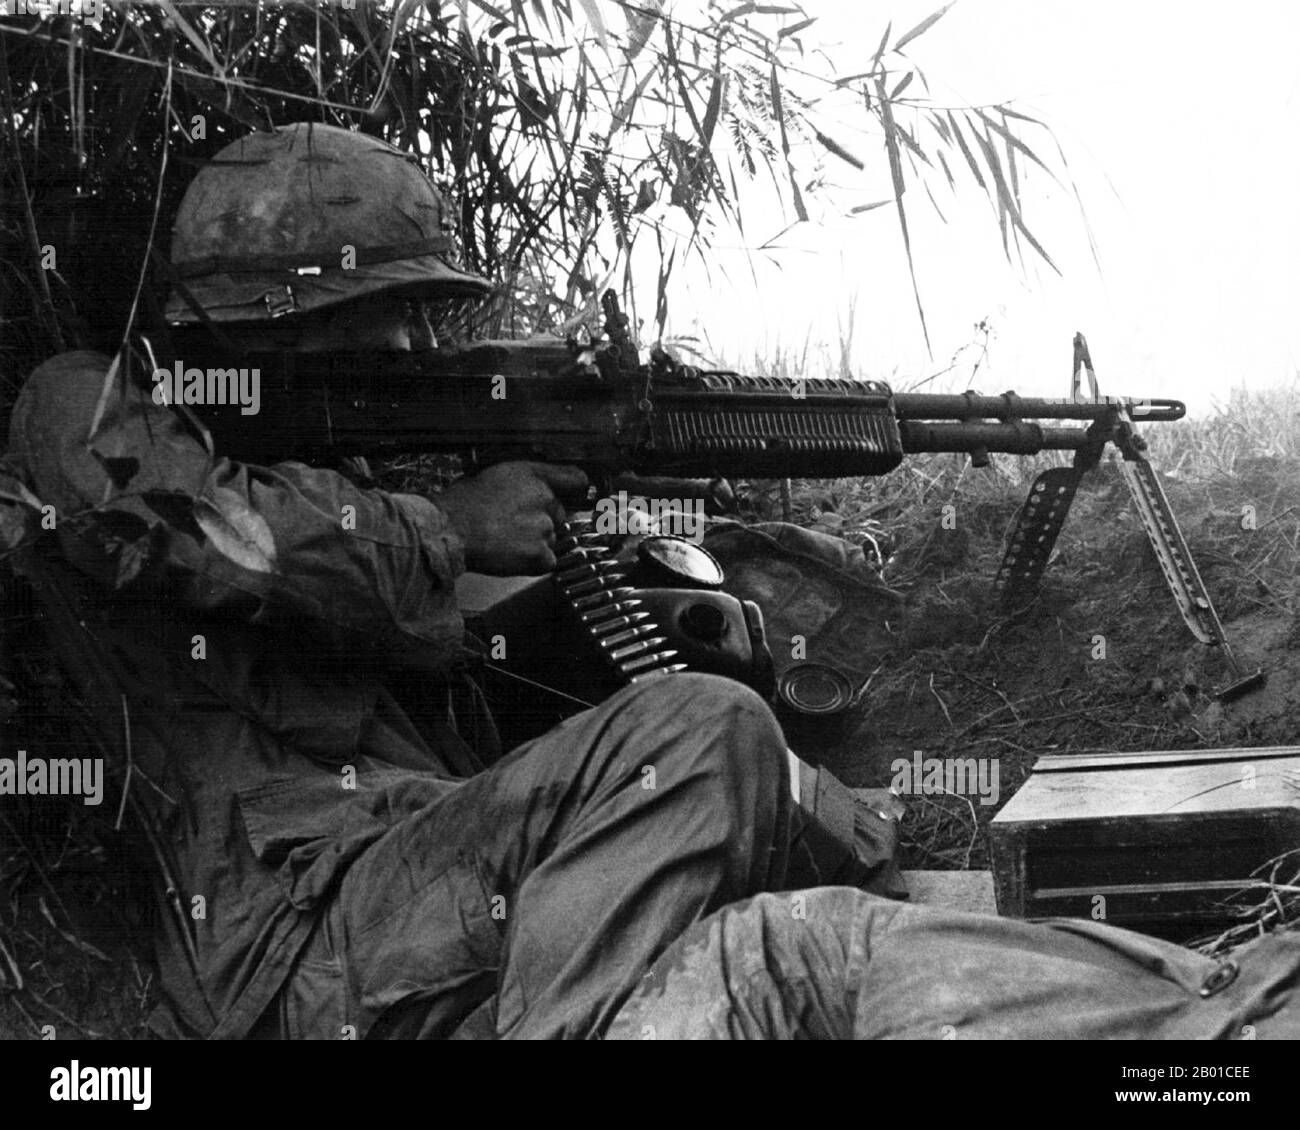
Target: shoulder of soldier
(66, 379)
(74, 365)
(63, 389)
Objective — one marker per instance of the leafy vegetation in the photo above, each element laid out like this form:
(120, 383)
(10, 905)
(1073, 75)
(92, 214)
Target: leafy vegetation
(568, 134)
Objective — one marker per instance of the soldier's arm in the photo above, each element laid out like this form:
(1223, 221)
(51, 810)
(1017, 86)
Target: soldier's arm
(142, 503)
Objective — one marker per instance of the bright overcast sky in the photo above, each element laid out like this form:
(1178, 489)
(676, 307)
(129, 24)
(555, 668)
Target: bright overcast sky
(1179, 122)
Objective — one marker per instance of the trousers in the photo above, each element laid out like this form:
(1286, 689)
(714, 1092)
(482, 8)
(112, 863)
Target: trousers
(529, 900)
(838, 963)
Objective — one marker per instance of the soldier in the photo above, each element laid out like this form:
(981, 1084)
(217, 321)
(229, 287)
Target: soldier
(839, 964)
(328, 870)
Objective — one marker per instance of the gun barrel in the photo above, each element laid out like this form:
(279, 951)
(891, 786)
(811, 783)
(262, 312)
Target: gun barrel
(1009, 407)
(1018, 438)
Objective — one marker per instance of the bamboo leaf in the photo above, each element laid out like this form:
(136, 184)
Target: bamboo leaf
(1033, 242)
(623, 112)
(947, 172)
(935, 203)
(641, 21)
(1007, 198)
(714, 105)
(1010, 113)
(540, 50)
(684, 91)
(1012, 140)
(661, 290)
(880, 51)
(902, 86)
(896, 174)
(905, 136)
(491, 9)
(101, 405)
(1012, 168)
(924, 26)
(785, 32)
(999, 195)
(965, 152)
(779, 112)
(200, 44)
(858, 209)
(592, 8)
(839, 150)
(737, 12)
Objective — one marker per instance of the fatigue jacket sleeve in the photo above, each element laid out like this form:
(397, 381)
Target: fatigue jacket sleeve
(142, 502)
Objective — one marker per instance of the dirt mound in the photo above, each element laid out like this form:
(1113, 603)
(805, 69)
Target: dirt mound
(1100, 660)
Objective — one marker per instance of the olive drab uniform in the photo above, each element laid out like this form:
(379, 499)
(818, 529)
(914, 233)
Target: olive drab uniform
(324, 869)
(839, 964)
(329, 861)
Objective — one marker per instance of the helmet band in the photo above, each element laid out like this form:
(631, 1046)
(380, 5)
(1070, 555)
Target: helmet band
(309, 262)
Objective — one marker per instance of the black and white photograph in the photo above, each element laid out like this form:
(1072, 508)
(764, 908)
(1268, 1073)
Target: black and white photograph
(650, 520)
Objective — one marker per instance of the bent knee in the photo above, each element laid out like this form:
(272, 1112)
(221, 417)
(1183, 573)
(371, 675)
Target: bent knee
(720, 720)
(695, 699)
(694, 690)
(716, 690)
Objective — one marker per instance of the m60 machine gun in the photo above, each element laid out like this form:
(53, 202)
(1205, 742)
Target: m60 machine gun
(598, 405)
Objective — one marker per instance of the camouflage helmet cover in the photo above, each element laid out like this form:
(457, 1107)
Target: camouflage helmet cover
(266, 226)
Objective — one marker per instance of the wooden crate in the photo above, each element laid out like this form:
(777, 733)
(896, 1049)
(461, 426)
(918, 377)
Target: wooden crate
(1165, 839)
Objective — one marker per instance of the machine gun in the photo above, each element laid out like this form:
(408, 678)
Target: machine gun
(596, 405)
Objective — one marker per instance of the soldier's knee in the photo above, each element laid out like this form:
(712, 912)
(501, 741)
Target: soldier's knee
(724, 723)
(694, 687)
(697, 695)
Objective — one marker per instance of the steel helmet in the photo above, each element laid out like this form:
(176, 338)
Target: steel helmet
(305, 217)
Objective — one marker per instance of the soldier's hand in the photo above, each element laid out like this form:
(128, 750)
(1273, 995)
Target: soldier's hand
(508, 514)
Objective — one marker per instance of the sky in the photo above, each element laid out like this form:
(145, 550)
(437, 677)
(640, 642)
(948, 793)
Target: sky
(1179, 125)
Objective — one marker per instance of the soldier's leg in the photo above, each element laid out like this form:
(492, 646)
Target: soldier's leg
(837, 963)
(560, 874)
